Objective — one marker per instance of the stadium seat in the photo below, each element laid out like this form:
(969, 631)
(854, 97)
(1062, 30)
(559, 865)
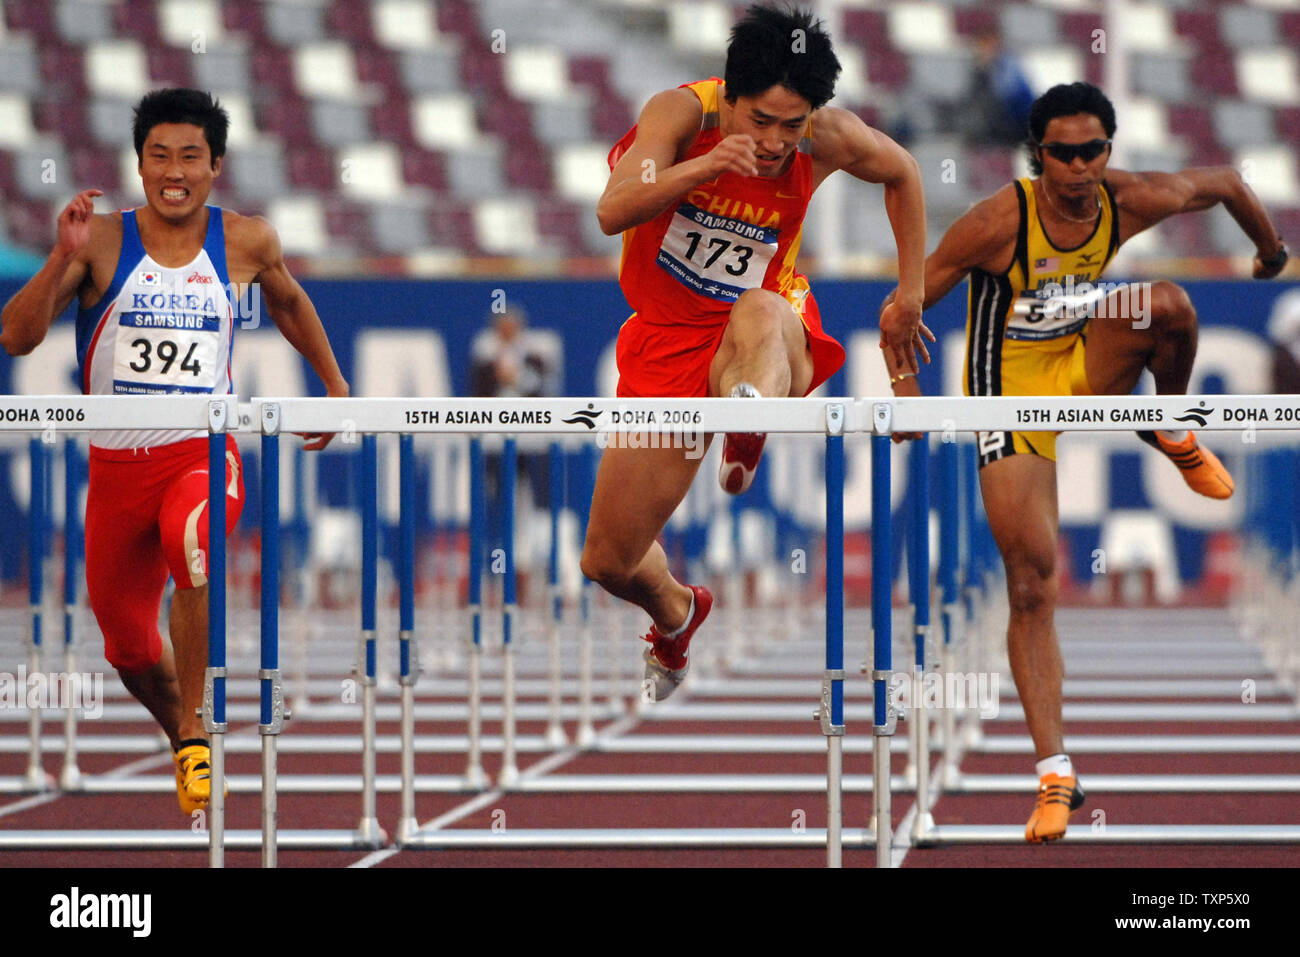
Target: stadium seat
(429, 71)
(16, 128)
(351, 23)
(476, 171)
(424, 169)
(505, 226)
(404, 24)
(288, 118)
(340, 123)
(1245, 27)
(20, 67)
(1269, 75)
(398, 228)
(111, 119)
(41, 169)
(1243, 123)
(581, 172)
(183, 23)
(169, 66)
(563, 121)
(527, 166)
(943, 76)
(1271, 172)
(699, 27)
(256, 171)
(83, 21)
(1047, 66)
(293, 24)
(1161, 76)
(325, 70)
(300, 222)
(1025, 26)
(312, 169)
(117, 68)
(920, 27)
(95, 167)
(224, 69)
(536, 73)
(1148, 28)
(371, 171)
(444, 122)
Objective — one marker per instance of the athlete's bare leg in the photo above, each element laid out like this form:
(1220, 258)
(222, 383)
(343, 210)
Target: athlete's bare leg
(1155, 331)
(189, 634)
(172, 690)
(765, 345)
(1020, 499)
(637, 490)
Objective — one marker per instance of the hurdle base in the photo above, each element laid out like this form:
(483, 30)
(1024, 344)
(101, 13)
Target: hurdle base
(179, 840)
(1119, 834)
(634, 838)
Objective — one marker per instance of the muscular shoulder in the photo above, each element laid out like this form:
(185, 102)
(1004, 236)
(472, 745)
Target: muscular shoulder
(250, 240)
(671, 116)
(984, 236)
(839, 137)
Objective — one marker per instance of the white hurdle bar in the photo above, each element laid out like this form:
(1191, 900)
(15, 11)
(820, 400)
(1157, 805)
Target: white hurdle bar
(830, 417)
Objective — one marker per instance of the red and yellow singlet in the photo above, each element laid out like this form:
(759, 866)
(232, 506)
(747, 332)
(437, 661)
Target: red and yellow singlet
(684, 270)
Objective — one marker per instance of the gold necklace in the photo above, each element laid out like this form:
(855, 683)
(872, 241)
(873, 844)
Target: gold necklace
(1089, 218)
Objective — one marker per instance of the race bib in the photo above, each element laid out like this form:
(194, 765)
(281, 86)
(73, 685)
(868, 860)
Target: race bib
(716, 256)
(168, 353)
(1036, 317)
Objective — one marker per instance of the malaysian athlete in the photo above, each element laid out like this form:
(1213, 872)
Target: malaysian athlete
(709, 191)
(155, 318)
(1035, 251)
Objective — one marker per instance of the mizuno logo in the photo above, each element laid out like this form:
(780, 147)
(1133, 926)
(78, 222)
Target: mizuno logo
(1086, 257)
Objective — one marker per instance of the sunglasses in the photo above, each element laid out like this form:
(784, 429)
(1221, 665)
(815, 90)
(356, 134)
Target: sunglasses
(1066, 152)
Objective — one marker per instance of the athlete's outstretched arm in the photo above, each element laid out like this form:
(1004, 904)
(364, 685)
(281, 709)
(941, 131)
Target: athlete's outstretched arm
(292, 311)
(843, 141)
(1144, 199)
(29, 314)
(647, 178)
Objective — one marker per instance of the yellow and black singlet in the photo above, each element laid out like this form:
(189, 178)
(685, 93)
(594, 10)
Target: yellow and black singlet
(1025, 328)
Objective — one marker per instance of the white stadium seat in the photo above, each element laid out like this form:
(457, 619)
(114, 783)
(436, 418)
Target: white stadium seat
(371, 171)
(699, 27)
(921, 27)
(506, 226)
(1271, 173)
(117, 68)
(404, 24)
(444, 122)
(581, 171)
(1269, 75)
(181, 22)
(326, 70)
(300, 222)
(15, 121)
(536, 73)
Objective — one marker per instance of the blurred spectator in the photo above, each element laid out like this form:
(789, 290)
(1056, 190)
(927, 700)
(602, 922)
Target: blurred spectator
(1284, 332)
(510, 360)
(996, 111)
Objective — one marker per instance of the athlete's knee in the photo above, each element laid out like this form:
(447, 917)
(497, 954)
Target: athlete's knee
(602, 564)
(758, 313)
(131, 659)
(1031, 582)
(1171, 308)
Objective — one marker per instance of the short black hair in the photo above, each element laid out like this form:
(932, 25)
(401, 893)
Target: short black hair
(182, 106)
(784, 47)
(1066, 99)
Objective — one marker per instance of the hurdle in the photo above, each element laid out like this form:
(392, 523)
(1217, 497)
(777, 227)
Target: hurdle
(56, 414)
(831, 418)
(828, 418)
(1106, 413)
